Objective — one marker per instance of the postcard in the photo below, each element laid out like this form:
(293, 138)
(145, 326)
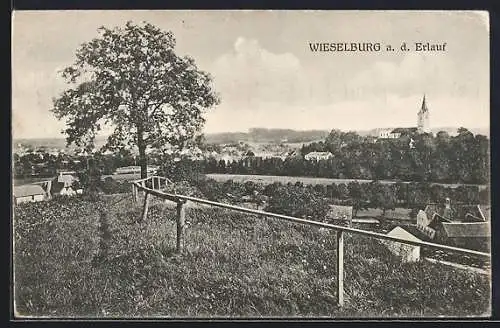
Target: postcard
(250, 164)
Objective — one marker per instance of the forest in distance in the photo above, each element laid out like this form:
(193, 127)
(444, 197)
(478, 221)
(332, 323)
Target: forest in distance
(463, 158)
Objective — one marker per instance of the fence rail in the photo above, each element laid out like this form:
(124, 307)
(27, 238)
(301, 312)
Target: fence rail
(156, 182)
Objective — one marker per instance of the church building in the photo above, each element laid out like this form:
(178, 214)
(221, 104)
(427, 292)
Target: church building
(423, 125)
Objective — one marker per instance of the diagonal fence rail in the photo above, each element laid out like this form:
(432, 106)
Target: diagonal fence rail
(152, 186)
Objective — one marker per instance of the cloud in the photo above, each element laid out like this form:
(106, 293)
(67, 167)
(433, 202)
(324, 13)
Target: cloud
(414, 74)
(250, 73)
(264, 89)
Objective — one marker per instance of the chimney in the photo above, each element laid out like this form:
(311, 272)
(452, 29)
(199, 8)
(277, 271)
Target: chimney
(447, 203)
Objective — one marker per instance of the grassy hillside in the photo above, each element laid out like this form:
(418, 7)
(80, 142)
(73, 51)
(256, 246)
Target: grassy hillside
(83, 258)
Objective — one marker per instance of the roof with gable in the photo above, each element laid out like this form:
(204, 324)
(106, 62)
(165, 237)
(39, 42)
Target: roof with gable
(486, 211)
(66, 179)
(28, 190)
(403, 234)
(319, 153)
(466, 230)
(459, 212)
(405, 131)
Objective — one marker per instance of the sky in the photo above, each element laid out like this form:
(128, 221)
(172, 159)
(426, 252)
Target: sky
(266, 74)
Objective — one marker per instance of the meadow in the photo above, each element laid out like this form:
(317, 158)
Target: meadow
(85, 257)
(268, 179)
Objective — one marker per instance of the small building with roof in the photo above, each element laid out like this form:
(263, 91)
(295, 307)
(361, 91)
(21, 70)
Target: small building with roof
(29, 193)
(407, 252)
(461, 225)
(318, 155)
(475, 235)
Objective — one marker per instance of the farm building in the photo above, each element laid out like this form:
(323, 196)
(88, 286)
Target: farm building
(388, 134)
(29, 193)
(63, 185)
(407, 252)
(318, 155)
(461, 225)
(135, 169)
(474, 235)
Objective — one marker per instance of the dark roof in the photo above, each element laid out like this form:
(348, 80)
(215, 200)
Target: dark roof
(460, 212)
(28, 190)
(410, 131)
(486, 211)
(436, 219)
(466, 230)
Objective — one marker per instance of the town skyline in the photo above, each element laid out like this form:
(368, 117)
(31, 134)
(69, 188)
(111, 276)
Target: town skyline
(266, 75)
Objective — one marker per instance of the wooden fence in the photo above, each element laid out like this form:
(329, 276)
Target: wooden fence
(152, 186)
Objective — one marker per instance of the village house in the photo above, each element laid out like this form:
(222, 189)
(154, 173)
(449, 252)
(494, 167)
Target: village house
(475, 235)
(29, 193)
(461, 225)
(64, 185)
(318, 155)
(407, 252)
(388, 134)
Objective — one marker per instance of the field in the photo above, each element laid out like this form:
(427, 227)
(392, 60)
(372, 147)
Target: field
(87, 258)
(268, 179)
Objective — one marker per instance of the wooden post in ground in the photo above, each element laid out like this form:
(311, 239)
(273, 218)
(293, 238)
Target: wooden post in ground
(181, 217)
(145, 206)
(340, 267)
(134, 192)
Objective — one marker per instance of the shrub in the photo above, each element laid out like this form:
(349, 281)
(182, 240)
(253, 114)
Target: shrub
(298, 201)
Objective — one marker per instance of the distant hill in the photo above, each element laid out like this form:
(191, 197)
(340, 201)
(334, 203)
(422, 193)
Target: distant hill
(254, 135)
(58, 143)
(450, 130)
(267, 135)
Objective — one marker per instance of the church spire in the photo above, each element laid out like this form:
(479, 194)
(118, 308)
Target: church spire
(424, 105)
(423, 124)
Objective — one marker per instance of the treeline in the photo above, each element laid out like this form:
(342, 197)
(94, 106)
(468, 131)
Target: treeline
(460, 159)
(359, 195)
(299, 199)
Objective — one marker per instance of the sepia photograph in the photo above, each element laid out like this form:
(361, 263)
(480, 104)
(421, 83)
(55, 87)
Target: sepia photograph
(250, 164)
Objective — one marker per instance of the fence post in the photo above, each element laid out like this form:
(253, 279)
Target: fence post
(134, 192)
(340, 267)
(145, 207)
(181, 216)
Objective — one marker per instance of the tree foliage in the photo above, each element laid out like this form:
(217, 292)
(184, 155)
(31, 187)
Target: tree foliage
(298, 201)
(131, 79)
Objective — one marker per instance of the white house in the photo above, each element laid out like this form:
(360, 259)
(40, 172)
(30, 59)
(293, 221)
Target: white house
(388, 134)
(64, 185)
(318, 155)
(28, 193)
(407, 252)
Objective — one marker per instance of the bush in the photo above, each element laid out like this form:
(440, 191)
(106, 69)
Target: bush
(183, 170)
(298, 201)
(111, 186)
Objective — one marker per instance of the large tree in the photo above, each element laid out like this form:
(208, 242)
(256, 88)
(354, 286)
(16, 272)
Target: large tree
(131, 79)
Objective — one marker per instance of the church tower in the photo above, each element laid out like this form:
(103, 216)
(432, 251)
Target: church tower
(423, 124)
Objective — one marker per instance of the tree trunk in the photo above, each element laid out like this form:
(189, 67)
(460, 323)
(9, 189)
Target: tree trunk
(142, 154)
